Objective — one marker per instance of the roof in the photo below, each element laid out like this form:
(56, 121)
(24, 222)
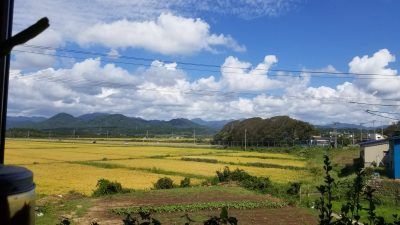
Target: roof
(374, 142)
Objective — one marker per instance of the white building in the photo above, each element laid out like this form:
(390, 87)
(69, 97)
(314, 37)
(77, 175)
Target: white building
(375, 137)
(375, 152)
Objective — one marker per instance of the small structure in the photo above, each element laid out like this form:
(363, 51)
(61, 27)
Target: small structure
(394, 161)
(375, 153)
(320, 141)
(375, 136)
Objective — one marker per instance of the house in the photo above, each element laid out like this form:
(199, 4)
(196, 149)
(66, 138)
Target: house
(320, 141)
(375, 136)
(375, 152)
(394, 161)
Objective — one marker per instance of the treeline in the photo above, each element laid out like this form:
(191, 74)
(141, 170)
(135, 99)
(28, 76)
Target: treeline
(273, 131)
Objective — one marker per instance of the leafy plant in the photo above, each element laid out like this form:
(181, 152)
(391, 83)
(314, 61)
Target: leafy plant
(223, 218)
(164, 183)
(185, 182)
(106, 187)
(64, 221)
(144, 218)
(244, 179)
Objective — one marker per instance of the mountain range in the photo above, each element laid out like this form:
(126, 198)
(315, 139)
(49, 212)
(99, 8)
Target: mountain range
(98, 123)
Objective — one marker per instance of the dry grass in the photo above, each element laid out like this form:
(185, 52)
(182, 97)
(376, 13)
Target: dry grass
(237, 159)
(61, 178)
(209, 169)
(54, 175)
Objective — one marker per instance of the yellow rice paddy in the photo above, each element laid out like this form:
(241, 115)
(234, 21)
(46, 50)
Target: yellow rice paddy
(56, 172)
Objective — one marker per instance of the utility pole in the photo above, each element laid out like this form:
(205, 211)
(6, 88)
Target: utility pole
(353, 138)
(107, 134)
(245, 139)
(194, 136)
(29, 133)
(335, 131)
(373, 126)
(74, 133)
(361, 135)
(147, 134)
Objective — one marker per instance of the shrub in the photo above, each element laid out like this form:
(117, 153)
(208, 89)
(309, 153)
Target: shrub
(164, 183)
(185, 182)
(200, 160)
(106, 187)
(294, 188)
(244, 179)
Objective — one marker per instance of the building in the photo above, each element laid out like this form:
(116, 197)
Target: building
(394, 160)
(320, 141)
(375, 153)
(375, 137)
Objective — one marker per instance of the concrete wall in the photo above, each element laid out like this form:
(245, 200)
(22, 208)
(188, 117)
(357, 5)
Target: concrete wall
(375, 153)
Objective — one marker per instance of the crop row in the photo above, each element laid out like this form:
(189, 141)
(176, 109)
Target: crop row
(200, 206)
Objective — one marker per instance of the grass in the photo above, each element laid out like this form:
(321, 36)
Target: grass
(244, 160)
(64, 177)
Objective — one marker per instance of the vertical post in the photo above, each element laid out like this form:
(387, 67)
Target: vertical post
(194, 136)
(335, 135)
(6, 15)
(245, 139)
(373, 125)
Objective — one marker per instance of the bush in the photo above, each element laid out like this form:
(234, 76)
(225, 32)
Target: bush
(164, 183)
(246, 180)
(106, 187)
(185, 182)
(294, 189)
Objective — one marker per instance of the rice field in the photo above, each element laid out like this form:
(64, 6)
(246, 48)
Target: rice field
(238, 159)
(60, 167)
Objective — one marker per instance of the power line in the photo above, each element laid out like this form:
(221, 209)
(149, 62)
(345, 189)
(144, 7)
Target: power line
(204, 65)
(376, 114)
(373, 104)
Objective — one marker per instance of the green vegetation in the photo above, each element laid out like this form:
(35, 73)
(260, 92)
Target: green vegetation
(106, 187)
(185, 182)
(265, 131)
(164, 183)
(200, 206)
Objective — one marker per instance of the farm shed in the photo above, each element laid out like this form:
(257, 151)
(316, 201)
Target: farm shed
(394, 161)
(375, 153)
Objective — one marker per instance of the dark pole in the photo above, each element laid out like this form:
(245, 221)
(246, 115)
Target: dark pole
(6, 7)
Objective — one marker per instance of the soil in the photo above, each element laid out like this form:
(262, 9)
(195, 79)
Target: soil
(100, 213)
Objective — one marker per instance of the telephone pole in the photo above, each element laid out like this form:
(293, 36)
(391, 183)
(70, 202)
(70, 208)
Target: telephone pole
(361, 135)
(245, 139)
(335, 131)
(194, 136)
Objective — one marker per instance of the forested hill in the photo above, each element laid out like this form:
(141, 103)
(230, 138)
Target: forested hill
(107, 124)
(257, 129)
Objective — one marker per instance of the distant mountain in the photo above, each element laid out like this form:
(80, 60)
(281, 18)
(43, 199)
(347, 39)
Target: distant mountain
(341, 126)
(216, 124)
(90, 116)
(348, 126)
(111, 124)
(21, 121)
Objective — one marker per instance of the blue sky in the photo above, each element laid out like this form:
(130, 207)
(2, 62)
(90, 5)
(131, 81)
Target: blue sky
(278, 34)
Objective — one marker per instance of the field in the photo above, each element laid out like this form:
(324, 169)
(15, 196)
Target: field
(66, 173)
(61, 167)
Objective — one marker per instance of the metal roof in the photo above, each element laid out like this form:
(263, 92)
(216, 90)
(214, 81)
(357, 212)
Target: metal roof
(374, 142)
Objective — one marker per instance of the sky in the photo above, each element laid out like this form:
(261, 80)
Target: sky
(210, 59)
